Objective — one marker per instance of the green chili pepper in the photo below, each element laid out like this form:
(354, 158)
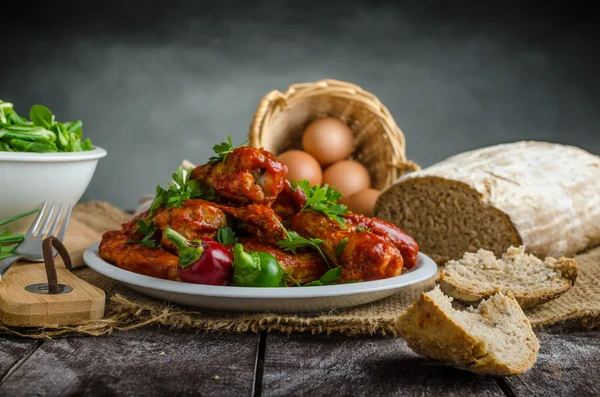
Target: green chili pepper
(255, 269)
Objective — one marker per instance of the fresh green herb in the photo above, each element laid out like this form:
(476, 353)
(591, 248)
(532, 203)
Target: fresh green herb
(8, 240)
(340, 247)
(223, 150)
(331, 277)
(12, 238)
(226, 236)
(288, 276)
(293, 241)
(323, 199)
(148, 230)
(16, 217)
(180, 190)
(363, 229)
(42, 134)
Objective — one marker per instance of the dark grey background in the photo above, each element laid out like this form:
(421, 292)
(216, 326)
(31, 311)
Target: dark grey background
(156, 82)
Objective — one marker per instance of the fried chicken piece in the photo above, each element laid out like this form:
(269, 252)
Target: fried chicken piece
(258, 220)
(407, 245)
(365, 256)
(304, 266)
(248, 175)
(153, 262)
(194, 219)
(200, 218)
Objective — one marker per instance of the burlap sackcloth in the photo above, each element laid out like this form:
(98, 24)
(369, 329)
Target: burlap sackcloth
(128, 309)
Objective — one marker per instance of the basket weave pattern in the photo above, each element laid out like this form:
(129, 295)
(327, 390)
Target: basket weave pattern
(379, 144)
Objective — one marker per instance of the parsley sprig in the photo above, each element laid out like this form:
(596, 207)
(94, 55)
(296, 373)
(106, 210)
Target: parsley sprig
(180, 190)
(293, 241)
(148, 230)
(340, 247)
(323, 199)
(226, 236)
(330, 277)
(223, 150)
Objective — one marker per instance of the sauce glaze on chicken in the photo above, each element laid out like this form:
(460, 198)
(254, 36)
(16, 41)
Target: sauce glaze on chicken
(253, 197)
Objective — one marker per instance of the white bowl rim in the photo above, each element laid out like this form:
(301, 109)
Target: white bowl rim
(96, 153)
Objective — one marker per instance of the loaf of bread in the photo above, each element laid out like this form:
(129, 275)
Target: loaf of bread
(530, 280)
(493, 339)
(541, 195)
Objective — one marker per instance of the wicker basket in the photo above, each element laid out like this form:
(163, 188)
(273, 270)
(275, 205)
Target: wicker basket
(281, 118)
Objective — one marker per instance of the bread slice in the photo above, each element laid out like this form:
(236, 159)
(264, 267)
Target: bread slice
(530, 280)
(494, 339)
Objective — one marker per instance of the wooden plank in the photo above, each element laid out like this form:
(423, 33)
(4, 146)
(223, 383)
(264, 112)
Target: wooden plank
(12, 350)
(568, 365)
(301, 364)
(145, 362)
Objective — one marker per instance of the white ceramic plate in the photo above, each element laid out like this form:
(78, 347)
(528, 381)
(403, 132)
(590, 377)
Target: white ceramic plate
(245, 299)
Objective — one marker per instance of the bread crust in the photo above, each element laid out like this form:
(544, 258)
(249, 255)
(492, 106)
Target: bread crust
(550, 193)
(430, 330)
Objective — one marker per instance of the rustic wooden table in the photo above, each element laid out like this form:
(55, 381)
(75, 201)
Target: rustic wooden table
(156, 362)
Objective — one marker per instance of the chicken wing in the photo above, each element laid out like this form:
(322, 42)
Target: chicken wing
(365, 255)
(153, 262)
(407, 245)
(248, 175)
(194, 219)
(258, 220)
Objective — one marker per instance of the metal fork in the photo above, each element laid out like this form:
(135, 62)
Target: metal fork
(30, 248)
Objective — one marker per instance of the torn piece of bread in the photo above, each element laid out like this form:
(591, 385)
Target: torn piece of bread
(494, 339)
(531, 281)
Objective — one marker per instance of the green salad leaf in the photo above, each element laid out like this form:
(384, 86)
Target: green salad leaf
(41, 115)
(42, 133)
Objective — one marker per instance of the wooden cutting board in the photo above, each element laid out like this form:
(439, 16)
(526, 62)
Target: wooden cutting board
(21, 308)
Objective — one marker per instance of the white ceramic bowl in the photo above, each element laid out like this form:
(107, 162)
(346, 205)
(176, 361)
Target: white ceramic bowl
(27, 179)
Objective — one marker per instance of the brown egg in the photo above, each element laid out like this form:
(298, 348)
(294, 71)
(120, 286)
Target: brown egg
(302, 165)
(362, 202)
(347, 176)
(328, 140)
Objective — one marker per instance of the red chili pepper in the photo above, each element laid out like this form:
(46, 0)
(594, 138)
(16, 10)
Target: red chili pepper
(203, 261)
